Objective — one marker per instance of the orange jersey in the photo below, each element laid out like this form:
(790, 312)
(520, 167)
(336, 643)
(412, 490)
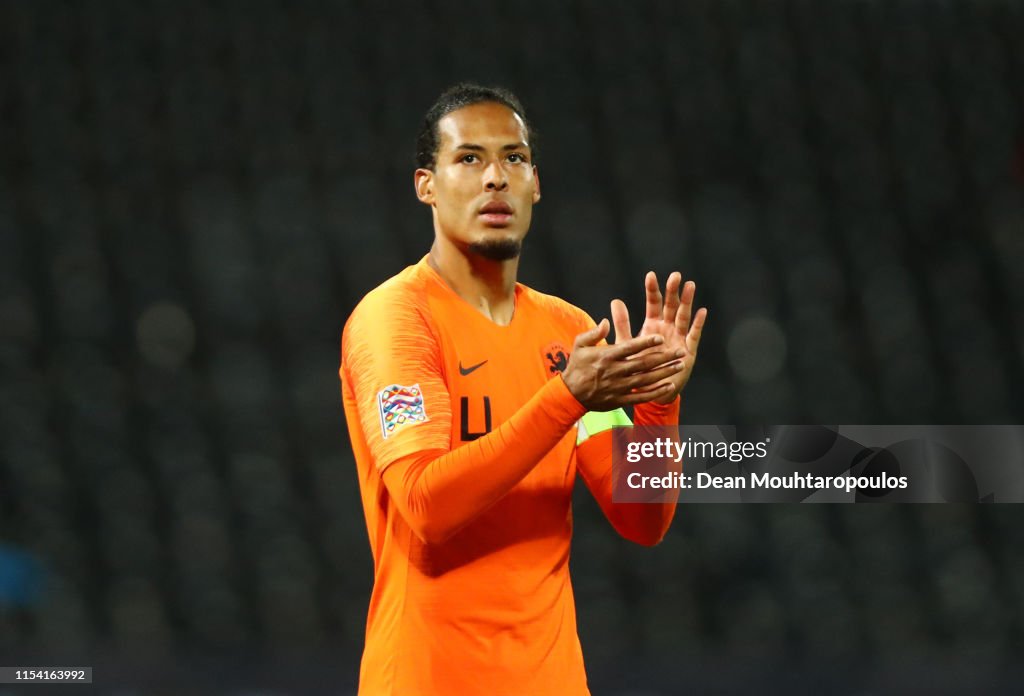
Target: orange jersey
(487, 608)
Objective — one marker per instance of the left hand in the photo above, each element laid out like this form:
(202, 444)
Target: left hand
(670, 318)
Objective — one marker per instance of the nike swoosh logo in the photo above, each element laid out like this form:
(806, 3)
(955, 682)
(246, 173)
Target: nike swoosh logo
(466, 370)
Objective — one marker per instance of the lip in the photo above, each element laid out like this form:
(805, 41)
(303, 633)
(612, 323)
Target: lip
(496, 208)
(496, 219)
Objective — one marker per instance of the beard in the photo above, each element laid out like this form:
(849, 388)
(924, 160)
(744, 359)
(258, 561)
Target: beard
(497, 249)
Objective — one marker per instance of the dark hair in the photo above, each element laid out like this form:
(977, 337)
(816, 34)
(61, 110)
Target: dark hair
(452, 99)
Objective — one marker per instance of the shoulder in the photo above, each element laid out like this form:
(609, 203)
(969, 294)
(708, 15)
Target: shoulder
(398, 306)
(557, 309)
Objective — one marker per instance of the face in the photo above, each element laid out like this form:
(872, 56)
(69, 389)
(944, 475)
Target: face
(484, 184)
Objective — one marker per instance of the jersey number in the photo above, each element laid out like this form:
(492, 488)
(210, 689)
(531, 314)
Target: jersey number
(464, 418)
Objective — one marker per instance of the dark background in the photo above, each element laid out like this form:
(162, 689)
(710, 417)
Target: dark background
(193, 196)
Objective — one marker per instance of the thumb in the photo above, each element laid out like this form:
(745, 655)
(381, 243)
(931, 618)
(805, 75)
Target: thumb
(593, 336)
(620, 318)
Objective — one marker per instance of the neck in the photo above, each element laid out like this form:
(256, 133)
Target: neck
(488, 286)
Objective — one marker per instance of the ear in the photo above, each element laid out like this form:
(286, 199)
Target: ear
(423, 182)
(536, 185)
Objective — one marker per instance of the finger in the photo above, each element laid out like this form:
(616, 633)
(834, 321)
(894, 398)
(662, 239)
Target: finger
(646, 379)
(641, 397)
(682, 317)
(672, 296)
(653, 296)
(593, 336)
(654, 389)
(633, 346)
(649, 360)
(620, 319)
(693, 337)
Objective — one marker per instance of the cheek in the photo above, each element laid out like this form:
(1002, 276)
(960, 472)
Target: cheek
(453, 204)
(452, 194)
(454, 210)
(526, 216)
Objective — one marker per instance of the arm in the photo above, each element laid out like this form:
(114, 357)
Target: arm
(437, 492)
(641, 523)
(647, 523)
(437, 489)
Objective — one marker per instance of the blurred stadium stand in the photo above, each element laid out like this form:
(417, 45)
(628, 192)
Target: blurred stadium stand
(193, 196)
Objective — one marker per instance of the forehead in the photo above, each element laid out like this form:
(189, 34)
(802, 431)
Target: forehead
(482, 124)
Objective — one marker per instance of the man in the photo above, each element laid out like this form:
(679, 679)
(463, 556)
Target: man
(469, 415)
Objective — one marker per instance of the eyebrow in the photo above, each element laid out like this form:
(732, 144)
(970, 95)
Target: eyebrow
(481, 148)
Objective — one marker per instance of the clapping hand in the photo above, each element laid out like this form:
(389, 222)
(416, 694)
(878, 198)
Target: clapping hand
(669, 317)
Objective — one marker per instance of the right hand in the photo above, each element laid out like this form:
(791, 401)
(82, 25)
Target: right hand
(603, 378)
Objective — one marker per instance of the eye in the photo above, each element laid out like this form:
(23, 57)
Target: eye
(517, 158)
(468, 159)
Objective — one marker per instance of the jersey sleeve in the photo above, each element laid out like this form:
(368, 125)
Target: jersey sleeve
(393, 361)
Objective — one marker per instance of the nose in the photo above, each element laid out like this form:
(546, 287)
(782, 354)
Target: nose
(495, 178)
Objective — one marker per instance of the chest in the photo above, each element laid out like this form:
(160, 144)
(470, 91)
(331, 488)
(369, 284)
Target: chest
(492, 372)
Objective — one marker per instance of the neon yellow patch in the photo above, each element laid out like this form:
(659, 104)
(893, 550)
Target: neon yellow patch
(594, 422)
